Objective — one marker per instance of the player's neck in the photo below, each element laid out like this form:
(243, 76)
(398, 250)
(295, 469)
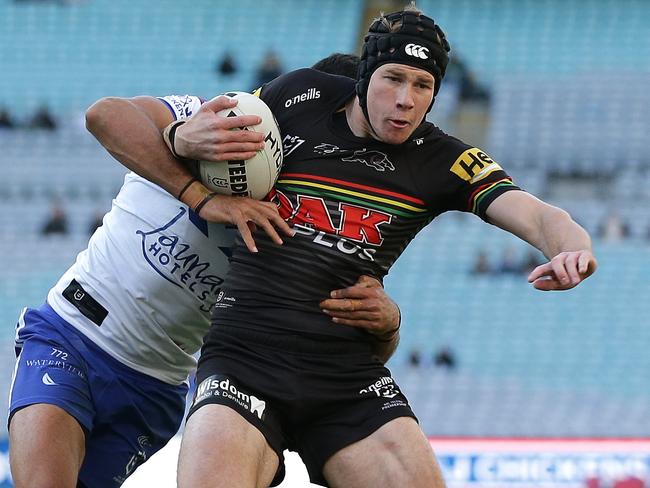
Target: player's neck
(357, 120)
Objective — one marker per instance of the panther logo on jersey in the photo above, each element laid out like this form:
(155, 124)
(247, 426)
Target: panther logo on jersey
(375, 159)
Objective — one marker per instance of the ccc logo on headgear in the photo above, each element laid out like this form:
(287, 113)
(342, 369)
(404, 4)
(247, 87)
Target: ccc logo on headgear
(417, 51)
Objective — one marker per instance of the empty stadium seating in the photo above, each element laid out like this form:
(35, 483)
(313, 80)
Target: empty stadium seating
(569, 97)
(69, 56)
(520, 351)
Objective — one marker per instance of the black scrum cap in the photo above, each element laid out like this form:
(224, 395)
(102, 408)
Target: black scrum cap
(418, 42)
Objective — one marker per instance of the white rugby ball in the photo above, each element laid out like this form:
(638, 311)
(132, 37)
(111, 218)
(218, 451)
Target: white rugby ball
(254, 177)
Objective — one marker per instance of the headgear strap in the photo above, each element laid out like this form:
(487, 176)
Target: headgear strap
(419, 42)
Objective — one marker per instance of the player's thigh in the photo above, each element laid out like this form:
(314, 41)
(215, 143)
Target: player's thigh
(136, 415)
(222, 449)
(46, 447)
(394, 456)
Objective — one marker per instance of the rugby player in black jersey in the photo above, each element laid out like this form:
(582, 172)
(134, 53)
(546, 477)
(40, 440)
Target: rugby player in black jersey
(362, 174)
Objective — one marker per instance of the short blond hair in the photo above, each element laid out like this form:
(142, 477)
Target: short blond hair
(394, 26)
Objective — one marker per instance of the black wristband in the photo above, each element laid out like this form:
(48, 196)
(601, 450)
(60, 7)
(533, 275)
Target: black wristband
(187, 185)
(202, 203)
(169, 134)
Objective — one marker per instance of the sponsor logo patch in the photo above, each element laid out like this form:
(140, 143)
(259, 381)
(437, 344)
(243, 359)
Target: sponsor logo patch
(474, 165)
(223, 387)
(325, 148)
(384, 387)
(417, 51)
(136, 460)
(178, 262)
(290, 144)
(182, 105)
(58, 361)
(47, 380)
(310, 94)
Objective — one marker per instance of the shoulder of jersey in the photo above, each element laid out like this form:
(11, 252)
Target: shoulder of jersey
(435, 146)
(307, 86)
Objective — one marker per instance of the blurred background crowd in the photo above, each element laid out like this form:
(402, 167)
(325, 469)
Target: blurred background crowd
(554, 90)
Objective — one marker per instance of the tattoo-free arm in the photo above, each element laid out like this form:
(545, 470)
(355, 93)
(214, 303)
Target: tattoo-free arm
(130, 129)
(551, 230)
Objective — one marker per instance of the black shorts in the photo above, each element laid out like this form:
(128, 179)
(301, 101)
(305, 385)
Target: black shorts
(310, 394)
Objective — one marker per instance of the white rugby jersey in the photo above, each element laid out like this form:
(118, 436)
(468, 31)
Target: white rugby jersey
(154, 266)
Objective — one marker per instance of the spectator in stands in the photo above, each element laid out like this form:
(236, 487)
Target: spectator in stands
(57, 222)
(469, 89)
(42, 119)
(6, 120)
(415, 358)
(445, 358)
(270, 68)
(482, 264)
(509, 263)
(227, 66)
(613, 228)
(339, 64)
(531, 261)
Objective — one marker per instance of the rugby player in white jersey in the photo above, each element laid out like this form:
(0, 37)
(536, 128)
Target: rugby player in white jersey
(101, 376)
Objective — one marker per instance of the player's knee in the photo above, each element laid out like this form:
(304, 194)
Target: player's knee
(42, 479)
(46, 447)
(420, 469)
(409, 459)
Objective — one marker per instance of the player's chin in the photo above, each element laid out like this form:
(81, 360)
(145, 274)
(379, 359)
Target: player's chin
(395, 136)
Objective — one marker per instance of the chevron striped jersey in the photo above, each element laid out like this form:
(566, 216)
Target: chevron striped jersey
(355, 204)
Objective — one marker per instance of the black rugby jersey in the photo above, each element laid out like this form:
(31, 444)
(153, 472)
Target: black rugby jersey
(355, 203)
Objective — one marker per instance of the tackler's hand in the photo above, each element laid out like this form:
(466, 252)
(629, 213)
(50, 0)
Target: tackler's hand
(247, 214)
(208, 136)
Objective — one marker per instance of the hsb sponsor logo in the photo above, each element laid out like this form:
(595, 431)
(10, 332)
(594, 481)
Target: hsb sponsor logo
(474, 165)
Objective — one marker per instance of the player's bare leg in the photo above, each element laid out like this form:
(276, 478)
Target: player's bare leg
(394, 456)
(46, 447)
(222, 450)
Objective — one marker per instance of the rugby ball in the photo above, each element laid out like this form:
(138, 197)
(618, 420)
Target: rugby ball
(254, 177)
